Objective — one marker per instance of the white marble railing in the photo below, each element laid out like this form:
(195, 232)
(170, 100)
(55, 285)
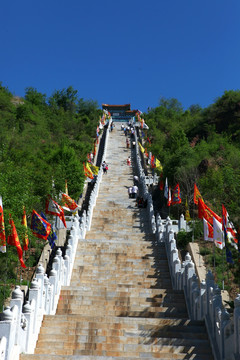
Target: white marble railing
(21, 321)
(204, 301)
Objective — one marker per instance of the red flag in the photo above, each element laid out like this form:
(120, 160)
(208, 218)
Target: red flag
(2, 229)
(24, 223)
(201, 209)
(207, 230)
(53, 208)
(161, 183)
(87, 172)
(205, 212)
(14, 240)
(69, 202)
(153, 162)
(196, 195)
(176, 195)
(213, 214)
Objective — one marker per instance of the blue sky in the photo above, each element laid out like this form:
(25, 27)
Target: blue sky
(119, 52)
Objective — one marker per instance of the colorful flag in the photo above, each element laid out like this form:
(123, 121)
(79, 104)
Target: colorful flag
(14, 241)
(53, 208)
(176, 195)
(52, 236)
(213, 214)
(148, 140)
(70, 203)
(25, 237)
(2, 229)
(206, 212)
(87, 171)
(40, 227)
(158, 164)
(187, 214)
(230, 234)
(169, 202)
(141, 147)
(196, 195)
(166, 189)
(218, 237)
(153, 165)
(207, 231)
(94, 169)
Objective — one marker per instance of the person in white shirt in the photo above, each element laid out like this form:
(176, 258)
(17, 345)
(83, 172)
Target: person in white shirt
(134, 191)
(130, 191)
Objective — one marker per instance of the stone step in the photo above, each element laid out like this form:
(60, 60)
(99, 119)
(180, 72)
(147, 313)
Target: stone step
(117, 322)
(142, 332)
(162, 312)
(121, 291)
(124, 350)
(146, 295)
(105, 300)
(163, 356)
(120, 343)
(129, 286)
(120, 304)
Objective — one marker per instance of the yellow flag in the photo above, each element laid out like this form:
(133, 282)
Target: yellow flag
(158, 164)
(187, 214)
(89, 169)
(141, 147)
(94, 169)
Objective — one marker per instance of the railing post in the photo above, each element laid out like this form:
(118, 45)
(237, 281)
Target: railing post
(17, 300)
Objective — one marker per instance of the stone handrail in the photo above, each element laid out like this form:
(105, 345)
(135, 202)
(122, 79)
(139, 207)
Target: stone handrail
(204, 301)
(21, 321)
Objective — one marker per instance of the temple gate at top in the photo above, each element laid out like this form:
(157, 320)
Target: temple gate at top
(121, 113)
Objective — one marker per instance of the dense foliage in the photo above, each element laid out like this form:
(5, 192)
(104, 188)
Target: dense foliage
(202, 146)
(199, 146)
(42, 140)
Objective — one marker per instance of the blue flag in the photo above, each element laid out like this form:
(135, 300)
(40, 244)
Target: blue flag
(52, 236)
(166, 189)
(40, 227)
(229, 256)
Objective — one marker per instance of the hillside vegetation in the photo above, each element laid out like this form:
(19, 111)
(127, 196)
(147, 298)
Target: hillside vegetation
(43, 141)
(201, 146)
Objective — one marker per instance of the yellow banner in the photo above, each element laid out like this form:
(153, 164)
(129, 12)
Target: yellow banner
(94, 169)
(158, 164)
(141, 147)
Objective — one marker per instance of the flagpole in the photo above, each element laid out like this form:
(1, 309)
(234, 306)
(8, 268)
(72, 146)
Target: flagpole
(193, 222)
(222, 269)
(214, 257)
(5, 285)
(16, 276)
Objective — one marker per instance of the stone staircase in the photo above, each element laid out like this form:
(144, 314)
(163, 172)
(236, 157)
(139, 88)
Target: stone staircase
(120, 303)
